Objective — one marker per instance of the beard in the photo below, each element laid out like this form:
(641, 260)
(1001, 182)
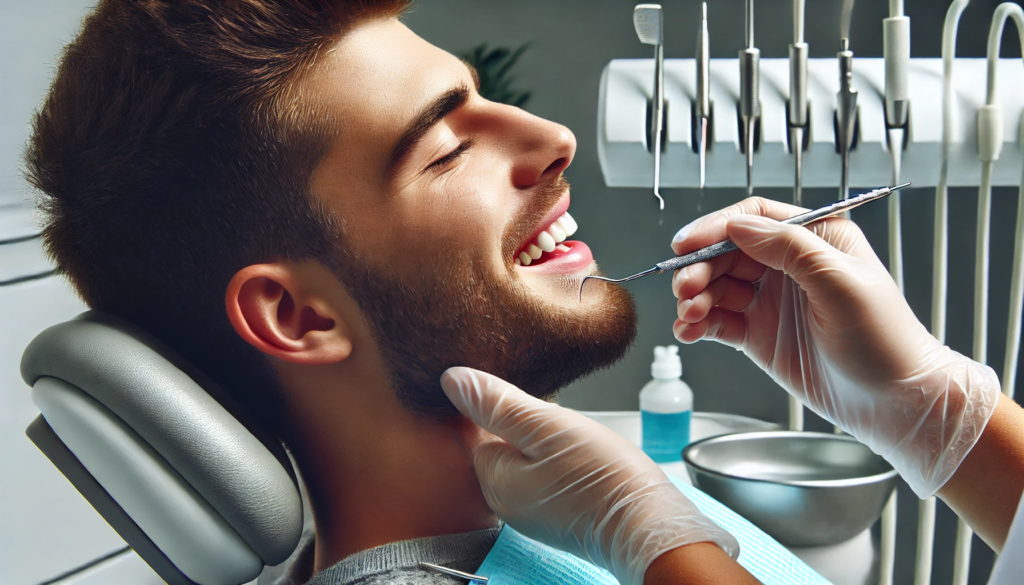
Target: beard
(461, 314)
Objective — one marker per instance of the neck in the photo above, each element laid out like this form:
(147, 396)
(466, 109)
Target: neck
(378, 474)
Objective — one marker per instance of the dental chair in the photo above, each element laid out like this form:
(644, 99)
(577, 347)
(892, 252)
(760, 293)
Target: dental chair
(170, 461)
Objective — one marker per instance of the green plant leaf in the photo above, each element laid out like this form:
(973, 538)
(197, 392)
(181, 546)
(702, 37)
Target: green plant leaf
(494, 67)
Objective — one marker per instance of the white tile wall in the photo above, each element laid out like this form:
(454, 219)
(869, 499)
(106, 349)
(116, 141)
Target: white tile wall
(47, 528)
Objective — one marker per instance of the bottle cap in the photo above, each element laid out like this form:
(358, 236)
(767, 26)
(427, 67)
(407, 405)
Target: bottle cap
(667, 364)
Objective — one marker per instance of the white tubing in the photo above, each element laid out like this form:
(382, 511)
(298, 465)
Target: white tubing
(962, 553)
(887, 562)
(798, 21)
(888, 545)
(981, 257)
(925, 541)
(895, 236)
(993, 135)
(1016, 296)
(940, 264)
(995, 40)
(796, 414)
(989, 145)
(846, 15)
(796, 408)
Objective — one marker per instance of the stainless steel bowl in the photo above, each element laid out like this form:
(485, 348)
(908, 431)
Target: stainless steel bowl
(803, 489)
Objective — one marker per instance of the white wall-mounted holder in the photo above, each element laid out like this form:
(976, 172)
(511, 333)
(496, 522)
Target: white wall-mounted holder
(626, 86)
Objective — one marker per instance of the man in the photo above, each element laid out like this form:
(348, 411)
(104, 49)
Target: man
(316, 207)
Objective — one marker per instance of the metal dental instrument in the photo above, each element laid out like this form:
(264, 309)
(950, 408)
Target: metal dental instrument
(703, 91)
(798, 97)
(726, 246)
(798, 124)
(647, 20)
(846, 113)
(460, 574)
(750, 103)
(896, 43)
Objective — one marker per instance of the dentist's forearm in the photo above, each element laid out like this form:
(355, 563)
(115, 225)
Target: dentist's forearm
(697, 564)
(986, 488)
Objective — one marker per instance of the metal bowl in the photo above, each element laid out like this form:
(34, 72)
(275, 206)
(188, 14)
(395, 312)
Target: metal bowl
(803, 489)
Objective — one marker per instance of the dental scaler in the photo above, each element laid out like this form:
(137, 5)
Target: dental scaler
(703, 92)
(726, 246)
(798, 105)
(648, 22)
(846, 113)
(750, 94)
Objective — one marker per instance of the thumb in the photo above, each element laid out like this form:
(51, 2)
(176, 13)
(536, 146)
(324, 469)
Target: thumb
(497, 406)
(794, 250)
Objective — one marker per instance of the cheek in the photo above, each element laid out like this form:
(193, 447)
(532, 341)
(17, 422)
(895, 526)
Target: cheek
(464, 214)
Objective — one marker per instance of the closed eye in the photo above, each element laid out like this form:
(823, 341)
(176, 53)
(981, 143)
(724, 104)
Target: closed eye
(451, 156)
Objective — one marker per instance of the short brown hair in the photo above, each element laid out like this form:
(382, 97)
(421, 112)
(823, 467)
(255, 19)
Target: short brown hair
(172, 151)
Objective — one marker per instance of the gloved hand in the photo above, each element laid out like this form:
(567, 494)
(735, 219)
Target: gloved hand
(569, 482)
(818, 311)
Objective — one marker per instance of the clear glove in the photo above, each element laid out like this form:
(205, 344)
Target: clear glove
(569, 482)
(817, 310)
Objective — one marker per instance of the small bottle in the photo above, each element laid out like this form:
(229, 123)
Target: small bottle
(666, 405)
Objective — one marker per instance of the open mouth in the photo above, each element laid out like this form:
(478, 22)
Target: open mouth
(548, 244)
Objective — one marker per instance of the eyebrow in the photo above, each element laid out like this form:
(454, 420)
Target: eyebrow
(436, 111)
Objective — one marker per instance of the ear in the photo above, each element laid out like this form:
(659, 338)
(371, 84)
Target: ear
(274, 308)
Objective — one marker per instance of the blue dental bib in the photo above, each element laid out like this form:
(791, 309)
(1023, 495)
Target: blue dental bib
(518, 560)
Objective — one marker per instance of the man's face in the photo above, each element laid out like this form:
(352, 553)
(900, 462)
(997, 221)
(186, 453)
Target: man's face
(442, 197)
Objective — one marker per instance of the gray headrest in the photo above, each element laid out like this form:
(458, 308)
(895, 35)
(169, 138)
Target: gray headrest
(247, 480)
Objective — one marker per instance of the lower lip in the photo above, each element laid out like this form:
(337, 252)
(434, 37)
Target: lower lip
(576, 259)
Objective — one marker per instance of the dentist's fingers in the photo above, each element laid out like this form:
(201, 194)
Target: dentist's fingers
(502, 409)
(688, 281)
(710, 229)
(724, 292)
(842, 234)
(727, 327)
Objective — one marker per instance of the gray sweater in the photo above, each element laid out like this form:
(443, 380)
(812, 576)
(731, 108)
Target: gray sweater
(398, 562)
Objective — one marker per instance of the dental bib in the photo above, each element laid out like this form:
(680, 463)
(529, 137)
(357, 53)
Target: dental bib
(518, 560)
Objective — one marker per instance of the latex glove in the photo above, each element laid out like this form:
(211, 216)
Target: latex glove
(573, 484)
(817, 310)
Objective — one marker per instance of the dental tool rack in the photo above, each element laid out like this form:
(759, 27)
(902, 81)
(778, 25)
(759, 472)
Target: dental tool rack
(626, 160)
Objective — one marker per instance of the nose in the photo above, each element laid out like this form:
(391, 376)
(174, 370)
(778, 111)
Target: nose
(540, 149)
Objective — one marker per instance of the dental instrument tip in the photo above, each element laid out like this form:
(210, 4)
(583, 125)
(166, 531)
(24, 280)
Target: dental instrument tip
(653, 270)
(453, 572)
(703, 150)
(750, 171)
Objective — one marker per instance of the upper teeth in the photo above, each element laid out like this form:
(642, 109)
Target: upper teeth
(546, 241)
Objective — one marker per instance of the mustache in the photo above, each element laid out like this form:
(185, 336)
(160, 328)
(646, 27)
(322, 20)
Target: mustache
(544, 198)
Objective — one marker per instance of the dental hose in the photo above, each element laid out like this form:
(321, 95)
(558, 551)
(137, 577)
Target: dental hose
(990, 143)
(940, 264)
